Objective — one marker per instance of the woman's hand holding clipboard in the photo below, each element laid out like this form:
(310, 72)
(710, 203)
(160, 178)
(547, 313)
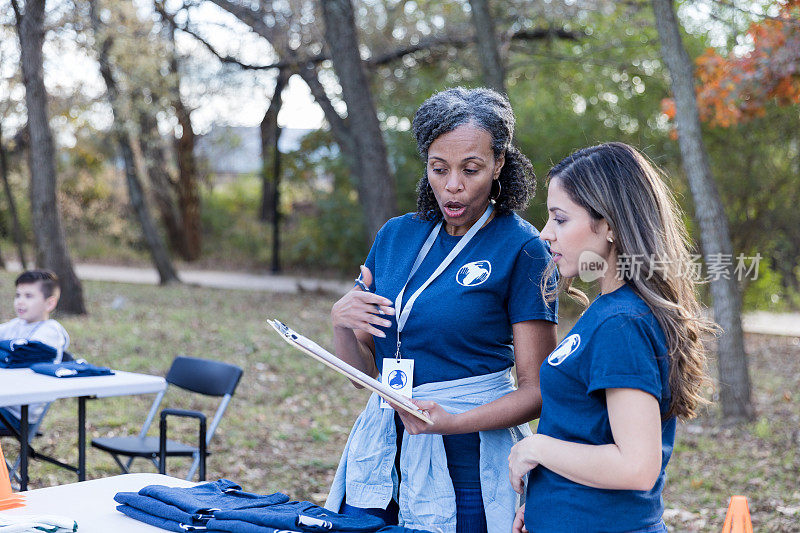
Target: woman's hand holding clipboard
(311, 348)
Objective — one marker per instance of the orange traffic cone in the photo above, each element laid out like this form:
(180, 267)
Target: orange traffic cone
(8, 500)
(738, 518)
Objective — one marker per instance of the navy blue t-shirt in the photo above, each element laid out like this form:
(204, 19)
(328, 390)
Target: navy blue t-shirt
(617, 343)
(460, 325)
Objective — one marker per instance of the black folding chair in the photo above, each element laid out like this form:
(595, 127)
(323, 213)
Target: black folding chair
(203, 376)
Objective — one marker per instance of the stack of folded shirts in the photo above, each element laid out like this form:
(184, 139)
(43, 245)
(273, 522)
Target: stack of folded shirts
(177, 509)
(20, 353)
(222, 506)
(71, 369)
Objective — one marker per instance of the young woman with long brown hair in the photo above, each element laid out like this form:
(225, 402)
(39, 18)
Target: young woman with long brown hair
(632, 364)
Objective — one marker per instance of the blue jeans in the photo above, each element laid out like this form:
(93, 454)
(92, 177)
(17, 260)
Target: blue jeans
(470, 517)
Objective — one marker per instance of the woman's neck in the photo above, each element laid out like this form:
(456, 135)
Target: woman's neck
(460, 231)
(610, 282)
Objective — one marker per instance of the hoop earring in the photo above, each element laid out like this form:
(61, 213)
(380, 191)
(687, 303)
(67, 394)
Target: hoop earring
(494, 197)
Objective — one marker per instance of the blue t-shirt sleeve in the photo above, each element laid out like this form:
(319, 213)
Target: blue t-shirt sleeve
(623, 356)
(369, 262)
(525, 300)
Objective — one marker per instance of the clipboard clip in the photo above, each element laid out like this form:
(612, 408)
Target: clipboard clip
(283, 329)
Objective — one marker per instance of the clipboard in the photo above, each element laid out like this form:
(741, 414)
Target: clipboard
(319, 353)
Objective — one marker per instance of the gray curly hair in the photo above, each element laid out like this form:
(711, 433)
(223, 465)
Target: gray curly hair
(489, 110)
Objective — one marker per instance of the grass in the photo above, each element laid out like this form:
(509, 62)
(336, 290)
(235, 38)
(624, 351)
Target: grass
(285, 426)
(760, 460)
(290, 418)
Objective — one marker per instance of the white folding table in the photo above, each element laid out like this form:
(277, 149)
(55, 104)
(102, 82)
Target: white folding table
(22, 386)
(91, 503)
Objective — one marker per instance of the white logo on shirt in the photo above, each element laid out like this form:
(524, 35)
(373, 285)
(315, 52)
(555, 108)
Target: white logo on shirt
(474, 273)
(566, 348)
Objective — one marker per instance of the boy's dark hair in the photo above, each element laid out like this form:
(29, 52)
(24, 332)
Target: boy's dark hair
(47, 280)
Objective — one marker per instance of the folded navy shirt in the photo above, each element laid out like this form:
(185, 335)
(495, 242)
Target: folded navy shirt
(159, 505)
(157, 521)
(296, 516)
(71, 369)
(134, 503)
(222, 494)
(19, 353)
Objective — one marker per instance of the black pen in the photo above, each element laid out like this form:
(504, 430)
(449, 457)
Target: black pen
(364, 288)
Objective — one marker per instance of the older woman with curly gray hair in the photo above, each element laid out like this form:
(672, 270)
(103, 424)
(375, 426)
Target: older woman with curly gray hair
(452, 304)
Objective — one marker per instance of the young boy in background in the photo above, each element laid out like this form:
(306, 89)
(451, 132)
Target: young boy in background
(36, 296)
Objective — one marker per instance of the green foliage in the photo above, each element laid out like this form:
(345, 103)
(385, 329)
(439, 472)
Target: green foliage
(327, 227)
(763, 429)
(334, 237)
(407, 165)
(770, 292)
(230, 226)
(756, 164)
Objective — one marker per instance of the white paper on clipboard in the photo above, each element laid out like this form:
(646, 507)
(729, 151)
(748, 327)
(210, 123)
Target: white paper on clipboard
(322, 355)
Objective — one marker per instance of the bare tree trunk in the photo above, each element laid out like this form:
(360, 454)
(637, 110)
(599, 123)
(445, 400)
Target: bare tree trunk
(188, 192)
(340, 129)
(491, 64)
(269, 131)
(276, 202)
(158, 251)
(12, 205)
(734, 379)
(376, 186)
(162, 184)
(51, 245)
(359, 136)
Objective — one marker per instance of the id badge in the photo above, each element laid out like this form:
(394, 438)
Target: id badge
(399, 376)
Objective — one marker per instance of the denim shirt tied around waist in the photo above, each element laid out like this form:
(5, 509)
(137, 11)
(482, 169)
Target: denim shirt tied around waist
(366, 470)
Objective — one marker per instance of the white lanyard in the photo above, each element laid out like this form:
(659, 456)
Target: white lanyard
(404, 311)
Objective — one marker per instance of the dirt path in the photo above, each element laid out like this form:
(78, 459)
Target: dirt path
(784, 324)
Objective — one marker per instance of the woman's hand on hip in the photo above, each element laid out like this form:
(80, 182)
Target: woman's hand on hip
(522, 460)
(360, 310)
(443, 421)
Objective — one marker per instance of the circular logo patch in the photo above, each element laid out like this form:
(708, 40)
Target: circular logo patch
(397, 379)
(566, 348)
(474, 273)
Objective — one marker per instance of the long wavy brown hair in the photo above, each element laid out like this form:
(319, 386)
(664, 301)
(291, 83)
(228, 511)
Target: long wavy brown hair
(616, 183)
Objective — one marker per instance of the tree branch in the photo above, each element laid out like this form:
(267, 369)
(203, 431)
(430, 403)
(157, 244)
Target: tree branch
(339, 127)
(248, 17)
(223, 58)
(17, 12)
